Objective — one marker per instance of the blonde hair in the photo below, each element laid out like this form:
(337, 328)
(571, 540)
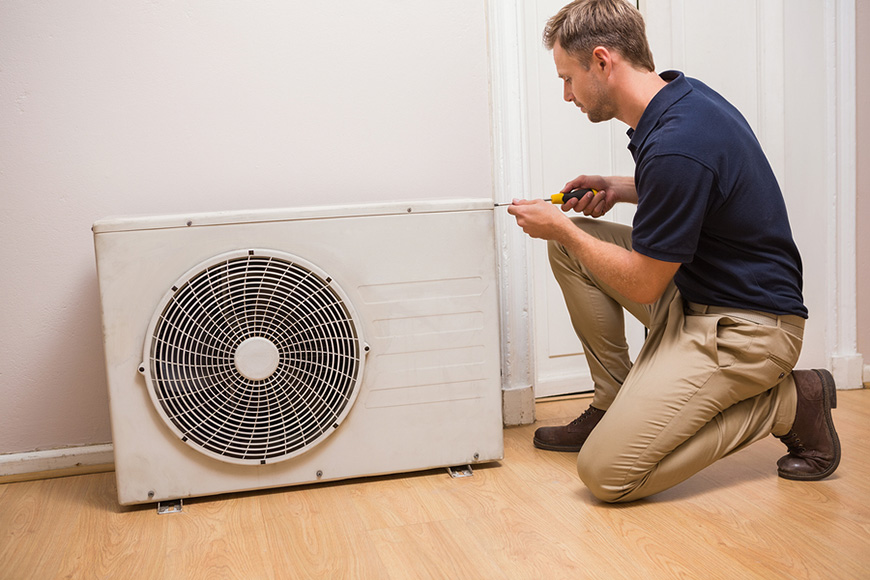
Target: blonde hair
(614, 24)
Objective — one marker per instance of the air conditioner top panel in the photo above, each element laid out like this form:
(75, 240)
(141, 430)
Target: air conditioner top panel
(120, 224)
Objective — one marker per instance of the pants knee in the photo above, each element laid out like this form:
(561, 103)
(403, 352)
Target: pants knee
(556, 252)
(597, 472)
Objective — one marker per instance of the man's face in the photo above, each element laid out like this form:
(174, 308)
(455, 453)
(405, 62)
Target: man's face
(583, 87)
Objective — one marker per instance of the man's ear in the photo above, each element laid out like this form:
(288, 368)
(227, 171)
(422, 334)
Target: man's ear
(601, 59)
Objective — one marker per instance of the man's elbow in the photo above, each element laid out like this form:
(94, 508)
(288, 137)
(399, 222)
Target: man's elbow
(651, 278)
(648, 297)
(648, 293)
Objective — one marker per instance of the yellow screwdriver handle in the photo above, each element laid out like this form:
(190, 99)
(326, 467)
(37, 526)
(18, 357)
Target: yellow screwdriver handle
(560, 198)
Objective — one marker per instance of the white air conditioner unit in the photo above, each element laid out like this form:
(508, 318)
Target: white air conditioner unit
(269, 348)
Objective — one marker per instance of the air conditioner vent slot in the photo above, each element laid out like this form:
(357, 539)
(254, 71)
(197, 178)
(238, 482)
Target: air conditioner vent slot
(254, 357)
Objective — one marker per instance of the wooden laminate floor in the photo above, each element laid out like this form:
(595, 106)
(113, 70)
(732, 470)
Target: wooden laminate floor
(527, 517)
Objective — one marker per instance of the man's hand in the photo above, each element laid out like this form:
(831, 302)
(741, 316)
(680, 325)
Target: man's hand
(611, 190)
(540, 219)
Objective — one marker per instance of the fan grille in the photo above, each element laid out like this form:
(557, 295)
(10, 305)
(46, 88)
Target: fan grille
(254, 357)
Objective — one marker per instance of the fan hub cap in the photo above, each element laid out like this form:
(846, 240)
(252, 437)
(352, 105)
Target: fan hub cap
(257, 358)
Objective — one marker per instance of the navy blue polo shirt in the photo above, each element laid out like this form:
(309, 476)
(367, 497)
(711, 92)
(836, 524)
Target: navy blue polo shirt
(708, 199)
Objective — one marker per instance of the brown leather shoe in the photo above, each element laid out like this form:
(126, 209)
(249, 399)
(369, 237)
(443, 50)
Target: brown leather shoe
(570, 437)
(813, 445)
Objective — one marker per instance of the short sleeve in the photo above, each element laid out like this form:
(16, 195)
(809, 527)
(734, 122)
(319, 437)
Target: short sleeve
(674, 194)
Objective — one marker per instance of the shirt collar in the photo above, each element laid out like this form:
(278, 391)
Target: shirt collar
(676, 89)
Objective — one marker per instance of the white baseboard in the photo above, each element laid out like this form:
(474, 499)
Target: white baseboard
(52, 462)
(847, 371)
(866, 377)
(556, 385)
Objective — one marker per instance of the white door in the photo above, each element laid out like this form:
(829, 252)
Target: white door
(563, 144)
(788, 67)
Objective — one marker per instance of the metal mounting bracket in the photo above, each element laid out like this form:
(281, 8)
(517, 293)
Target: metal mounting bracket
(460, 471)
(172, 506)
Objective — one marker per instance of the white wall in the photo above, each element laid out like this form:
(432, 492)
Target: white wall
(152, 107)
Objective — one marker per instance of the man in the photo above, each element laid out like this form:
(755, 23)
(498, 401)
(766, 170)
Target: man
(709, 266)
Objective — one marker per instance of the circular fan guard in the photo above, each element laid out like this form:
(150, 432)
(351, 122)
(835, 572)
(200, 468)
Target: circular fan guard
(254, 357)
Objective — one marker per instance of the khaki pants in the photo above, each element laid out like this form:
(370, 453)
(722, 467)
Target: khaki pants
(707, 382)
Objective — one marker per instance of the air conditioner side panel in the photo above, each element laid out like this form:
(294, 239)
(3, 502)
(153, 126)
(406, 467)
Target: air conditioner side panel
(424, 286)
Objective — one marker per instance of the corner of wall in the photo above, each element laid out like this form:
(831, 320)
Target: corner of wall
(862, 145)
(518, 406)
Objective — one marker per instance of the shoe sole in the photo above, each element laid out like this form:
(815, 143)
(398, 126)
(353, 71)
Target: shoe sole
(829, 398)
(548, 447)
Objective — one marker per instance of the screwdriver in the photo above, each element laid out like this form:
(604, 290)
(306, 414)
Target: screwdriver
(560, 198)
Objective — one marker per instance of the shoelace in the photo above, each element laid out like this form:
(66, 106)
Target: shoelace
(580, 419)
(792, 442)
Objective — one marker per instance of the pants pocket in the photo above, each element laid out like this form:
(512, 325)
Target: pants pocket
(734, 338)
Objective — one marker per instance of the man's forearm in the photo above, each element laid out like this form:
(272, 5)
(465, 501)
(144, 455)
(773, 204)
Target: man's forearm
(624, 188)
(637, 277)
